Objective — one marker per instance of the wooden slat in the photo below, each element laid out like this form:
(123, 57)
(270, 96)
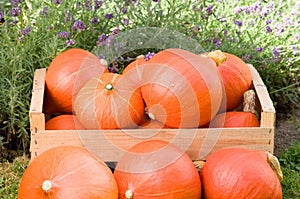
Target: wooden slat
(268, 114)
(37, 97)
(109, 145)
(36, 116)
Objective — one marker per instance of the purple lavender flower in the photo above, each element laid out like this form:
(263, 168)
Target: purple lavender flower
(109, 16)
(237, 10)
(1, 15)
(68, 16)
(115, 31)
(124, 10)
(209, 10)
(15, 2)
(16, 11)
(218, 43)
(109, 39)
(88, 5)
(70, 42)
(268, 29)
(26, 31)
(101, 56)
(259, 49)
(44, 11)
(269, 21)
(275, 52)
(101, 39)
(148, 56)
(57, 1)
(247, 58)
(94, 21)
(125, 21)
(98, 4)
(295, 50)
(79, 25)
(225, 32)
(63, 34)
(238, 23)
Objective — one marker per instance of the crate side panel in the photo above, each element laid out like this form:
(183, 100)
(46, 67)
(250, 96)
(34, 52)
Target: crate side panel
(268, 112)
(109, 145)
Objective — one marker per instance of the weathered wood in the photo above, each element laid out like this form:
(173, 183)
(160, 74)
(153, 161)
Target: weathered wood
(36, 116)
(109, 145)
(267, 118)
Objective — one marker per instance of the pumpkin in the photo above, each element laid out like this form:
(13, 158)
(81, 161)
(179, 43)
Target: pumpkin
(234, 119)
(66, 74)
(157, 169)
(139, 61)
(180, 89)
(67, 172)
(236, 77)
(63, 122)
(241, 173)
(109, 102)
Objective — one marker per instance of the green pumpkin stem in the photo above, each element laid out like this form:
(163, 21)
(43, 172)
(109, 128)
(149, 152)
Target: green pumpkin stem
(274, 164)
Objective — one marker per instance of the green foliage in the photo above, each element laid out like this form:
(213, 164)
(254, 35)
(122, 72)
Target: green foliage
(290, 163)
(264, 33)
(10, 177)
(291, 157)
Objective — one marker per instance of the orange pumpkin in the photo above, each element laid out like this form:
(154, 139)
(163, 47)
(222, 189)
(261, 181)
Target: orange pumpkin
(67, 172)
(240, 173)
(234, 119)
(109, 102)
(63, 122)
(236, 77)
(180, 88)
(66, 74)
(139, 61)
(157, 169)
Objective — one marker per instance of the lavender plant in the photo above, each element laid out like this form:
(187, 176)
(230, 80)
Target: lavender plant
(32, 33)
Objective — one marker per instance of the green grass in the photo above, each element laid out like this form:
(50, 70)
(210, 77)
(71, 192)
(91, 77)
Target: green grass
(11, 173)
(10, 176)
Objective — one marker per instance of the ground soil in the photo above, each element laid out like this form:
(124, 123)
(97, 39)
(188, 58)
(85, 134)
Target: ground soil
(287, 128)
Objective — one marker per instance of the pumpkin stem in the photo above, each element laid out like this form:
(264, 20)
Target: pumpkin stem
(140, 56)
(47, 184)
(249, 101)
(274, 164)
(218, 56)
(198, 164)
(109, 87)
(103, 62)
(151, 115)
(129, 194)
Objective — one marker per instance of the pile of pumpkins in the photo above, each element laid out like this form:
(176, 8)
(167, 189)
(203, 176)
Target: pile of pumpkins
(174, 89)
(150, 170)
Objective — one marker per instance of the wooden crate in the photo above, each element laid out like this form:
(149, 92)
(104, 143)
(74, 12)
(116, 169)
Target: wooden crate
(109, 145)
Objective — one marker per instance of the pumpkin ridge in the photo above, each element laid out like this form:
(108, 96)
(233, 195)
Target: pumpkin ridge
(74, 171)
(88, 104)
(161, 194)
(71, 75)
(125, 100)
